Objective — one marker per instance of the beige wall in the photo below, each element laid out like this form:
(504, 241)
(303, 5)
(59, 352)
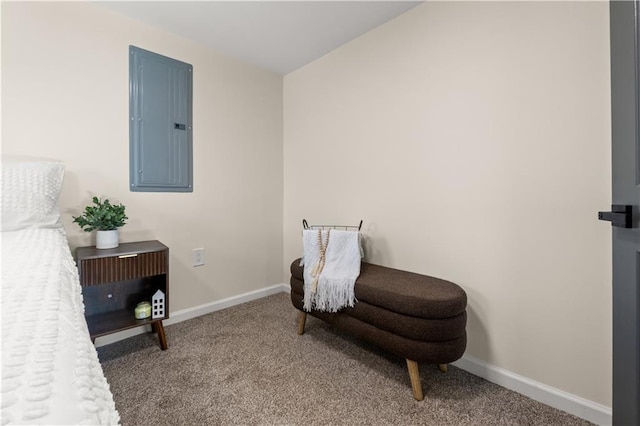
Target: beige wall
(65, 97)
(473, 139)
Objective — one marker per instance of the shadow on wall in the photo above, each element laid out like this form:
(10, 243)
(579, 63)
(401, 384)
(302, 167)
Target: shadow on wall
(374, 248)
(478, 339)
(75, 206)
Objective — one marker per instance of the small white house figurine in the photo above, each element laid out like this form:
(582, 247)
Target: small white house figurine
(157, 305)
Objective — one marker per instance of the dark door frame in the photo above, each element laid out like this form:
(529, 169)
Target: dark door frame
(625, 146)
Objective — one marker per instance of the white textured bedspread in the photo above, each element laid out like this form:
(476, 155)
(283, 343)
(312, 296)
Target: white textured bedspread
(50, 368)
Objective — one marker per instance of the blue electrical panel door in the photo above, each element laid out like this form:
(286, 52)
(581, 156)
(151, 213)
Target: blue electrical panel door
(160, 125)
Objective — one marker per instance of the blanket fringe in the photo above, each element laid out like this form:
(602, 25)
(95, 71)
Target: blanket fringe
(331, 295)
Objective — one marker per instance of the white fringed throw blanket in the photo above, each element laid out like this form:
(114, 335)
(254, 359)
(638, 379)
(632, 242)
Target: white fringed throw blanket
(329, 282)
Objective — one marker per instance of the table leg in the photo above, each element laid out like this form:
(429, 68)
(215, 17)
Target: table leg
(158, 328)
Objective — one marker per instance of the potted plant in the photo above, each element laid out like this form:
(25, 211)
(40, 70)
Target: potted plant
(105, 218)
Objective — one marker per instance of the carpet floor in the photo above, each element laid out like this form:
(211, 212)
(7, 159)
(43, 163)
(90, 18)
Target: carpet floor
(246, 365)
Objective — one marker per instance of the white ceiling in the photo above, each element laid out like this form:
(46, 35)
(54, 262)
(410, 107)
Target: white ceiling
(280, 36)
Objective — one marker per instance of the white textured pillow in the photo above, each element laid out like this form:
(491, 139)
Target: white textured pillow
(30, 194)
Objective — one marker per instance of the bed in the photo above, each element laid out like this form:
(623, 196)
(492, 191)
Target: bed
(50, 368)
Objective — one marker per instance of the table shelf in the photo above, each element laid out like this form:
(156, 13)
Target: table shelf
(123, 319)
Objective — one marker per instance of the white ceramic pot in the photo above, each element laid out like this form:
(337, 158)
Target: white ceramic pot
(107, 239)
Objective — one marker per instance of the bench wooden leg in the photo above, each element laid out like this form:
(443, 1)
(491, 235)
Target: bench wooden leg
(158, 328)
(302, 319)
(414, 375)
(443, 367)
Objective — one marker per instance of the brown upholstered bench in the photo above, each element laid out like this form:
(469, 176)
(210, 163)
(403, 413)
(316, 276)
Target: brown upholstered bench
(417, 317)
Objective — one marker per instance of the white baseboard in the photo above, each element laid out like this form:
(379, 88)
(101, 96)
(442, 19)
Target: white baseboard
(572, 404)
(186, 314)
(196, 311)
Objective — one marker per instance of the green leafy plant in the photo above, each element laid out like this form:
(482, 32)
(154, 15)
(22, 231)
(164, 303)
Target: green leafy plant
(101, 216)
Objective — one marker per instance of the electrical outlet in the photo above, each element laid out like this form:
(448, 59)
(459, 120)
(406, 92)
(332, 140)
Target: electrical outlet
(198, 257)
